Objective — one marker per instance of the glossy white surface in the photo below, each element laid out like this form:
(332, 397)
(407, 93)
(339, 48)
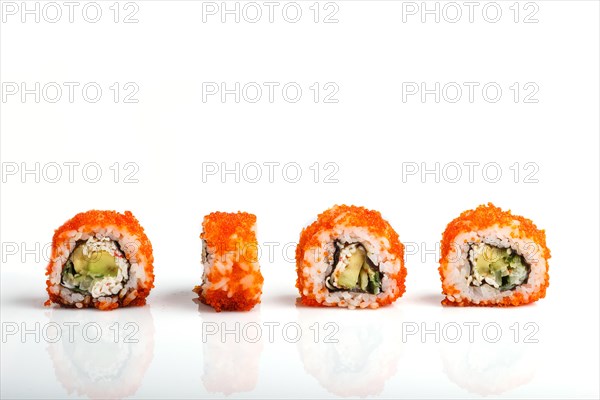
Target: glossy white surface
(170, 133)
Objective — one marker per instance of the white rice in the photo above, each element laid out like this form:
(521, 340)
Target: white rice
(224, 260)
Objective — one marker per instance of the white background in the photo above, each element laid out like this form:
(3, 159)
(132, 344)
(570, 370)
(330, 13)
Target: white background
(370, 134)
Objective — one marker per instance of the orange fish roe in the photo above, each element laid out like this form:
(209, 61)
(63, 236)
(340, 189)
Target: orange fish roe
(353, 217)
(482, 218)
(89, 222)
(232, 280)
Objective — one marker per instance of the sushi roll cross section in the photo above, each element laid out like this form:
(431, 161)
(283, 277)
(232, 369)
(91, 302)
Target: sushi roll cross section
(350, 257)
(100, 259)
(490, 257)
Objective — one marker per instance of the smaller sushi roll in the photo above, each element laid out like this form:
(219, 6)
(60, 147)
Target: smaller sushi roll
(231, 279)
(490, 257)
(100, 259)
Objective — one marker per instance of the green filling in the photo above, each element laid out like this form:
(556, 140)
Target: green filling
(500, 267)
(363, 279)
(348, 279)
(358, 275)
(83, 271)
(374, 286)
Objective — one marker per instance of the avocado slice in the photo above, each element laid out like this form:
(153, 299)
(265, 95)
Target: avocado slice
(101, 263)
(348, 278)
(79, 260)
(363, 279)
(96, 263)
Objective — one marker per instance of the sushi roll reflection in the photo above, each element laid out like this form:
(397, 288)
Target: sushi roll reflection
(355, 358)
(231, 280)
(350, 257)
(493, 258)
(108, 361)
(100, 259)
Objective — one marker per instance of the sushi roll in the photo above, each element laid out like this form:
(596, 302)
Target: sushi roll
(100, 259)
(490, 257)
(350, 257)
(231, 279)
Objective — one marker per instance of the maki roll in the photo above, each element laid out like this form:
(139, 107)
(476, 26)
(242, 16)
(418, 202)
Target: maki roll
(350, 257)
(490, 257)
(231, 280)
(100, 259)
